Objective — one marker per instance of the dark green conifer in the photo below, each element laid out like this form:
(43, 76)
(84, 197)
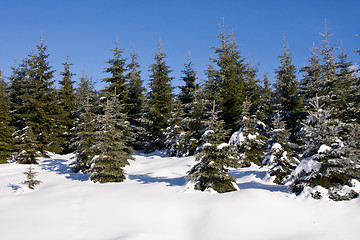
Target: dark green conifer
(28, 149)
(159, 102)
(5, 129)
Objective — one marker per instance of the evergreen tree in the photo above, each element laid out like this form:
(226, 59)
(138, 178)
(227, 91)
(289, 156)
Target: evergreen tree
(135, 100)
(27, 146)
(231, 78)
(288, 99)
(214, 158)
(211, 87)
(159, 102)
(111, 143)
(248, 140)
(41, 100)
(331, 162)
(117, 80)
(280, 155)
(5, 129)
(30, 181)
(66, 118)
(265, 109)
(85, 126)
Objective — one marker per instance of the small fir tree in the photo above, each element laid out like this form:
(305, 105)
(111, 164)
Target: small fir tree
(214, 158)
(31, 181)
(27, 145)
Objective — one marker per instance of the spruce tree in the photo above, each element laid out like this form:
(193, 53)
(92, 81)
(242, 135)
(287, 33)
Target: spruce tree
(135, 100)
(280, 154)
(66, 118)
(266, 109)
(288, 99)
(159, 102)
(5, 129)
(331, 162)
(41, 102)
(117, 80)
(111, 144)
(31, 181)
(231, 78)
(249, 141)
(214, 158)
(85, 126)
(28, 149)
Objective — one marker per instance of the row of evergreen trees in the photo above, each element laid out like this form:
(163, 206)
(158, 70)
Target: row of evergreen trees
(233, 119)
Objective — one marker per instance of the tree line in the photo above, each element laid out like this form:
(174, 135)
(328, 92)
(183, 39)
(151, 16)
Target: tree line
(231, 119)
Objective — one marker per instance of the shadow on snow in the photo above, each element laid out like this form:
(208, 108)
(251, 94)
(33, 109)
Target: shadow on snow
(146, 178)
(61, 167)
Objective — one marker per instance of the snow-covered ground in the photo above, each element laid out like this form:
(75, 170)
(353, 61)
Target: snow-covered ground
(156, 203)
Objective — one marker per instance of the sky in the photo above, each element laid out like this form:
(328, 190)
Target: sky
(87, 31)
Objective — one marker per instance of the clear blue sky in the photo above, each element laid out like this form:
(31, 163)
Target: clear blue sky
(87, 30)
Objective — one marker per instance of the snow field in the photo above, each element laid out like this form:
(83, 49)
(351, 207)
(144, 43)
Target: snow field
(155, 203)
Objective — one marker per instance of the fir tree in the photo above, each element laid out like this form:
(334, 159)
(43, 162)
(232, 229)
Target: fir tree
(5, 129)
(280, 155)
(111, 143)
(231, 78)
(248, 140)
(30, 181)
(333, 162)
(66, 118)
(159, 102)
(265, 109)
(288, 99)
(27, 146)
(135, 100)
(214, 158)
(117, 80)
(41, 101)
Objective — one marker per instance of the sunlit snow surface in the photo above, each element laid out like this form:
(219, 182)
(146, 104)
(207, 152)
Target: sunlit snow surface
(157, 203)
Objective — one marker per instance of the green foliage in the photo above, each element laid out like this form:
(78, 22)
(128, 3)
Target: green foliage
(214, 158)
(111, 144)
(159, 102)
(27, 147)
(30, 181)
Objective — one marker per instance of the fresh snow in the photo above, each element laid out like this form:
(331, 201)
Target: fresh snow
(156, 202)
(222, 145)
(323, 148)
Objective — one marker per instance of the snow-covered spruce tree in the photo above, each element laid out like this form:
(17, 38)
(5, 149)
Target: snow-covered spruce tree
(252, 88)
(214, 158)
(135, 100)
(265, 109)
(27, 146)
(327, 161)
(249, 141)
(231, 78)
(175, 134)
(85, 126)
(117, 68)
(66, 116)
(280, 155)
(159, 103)
(286, 92)
(31, 181)
(111, 144)
(5, 129)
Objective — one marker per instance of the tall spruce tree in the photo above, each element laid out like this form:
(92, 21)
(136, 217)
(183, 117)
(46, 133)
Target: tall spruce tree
(288, 99)
(41, 100)
(159, 102)
(231, 78)
(5, 129)
(117, 80)
(214, 158)
(66, 117)
(135, 100)
(265, 109)
(111, 144)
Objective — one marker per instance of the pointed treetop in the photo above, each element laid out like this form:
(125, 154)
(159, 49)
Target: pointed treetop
(326, 34)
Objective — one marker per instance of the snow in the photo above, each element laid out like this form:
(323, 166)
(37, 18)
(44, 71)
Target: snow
(156, 202)
(323, 148)
(237, 138)
(276, 147)
(222, 145)
(306, 165)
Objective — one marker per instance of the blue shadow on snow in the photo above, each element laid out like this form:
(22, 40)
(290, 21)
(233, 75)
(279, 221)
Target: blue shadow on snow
(146, 178)
(60, 166)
